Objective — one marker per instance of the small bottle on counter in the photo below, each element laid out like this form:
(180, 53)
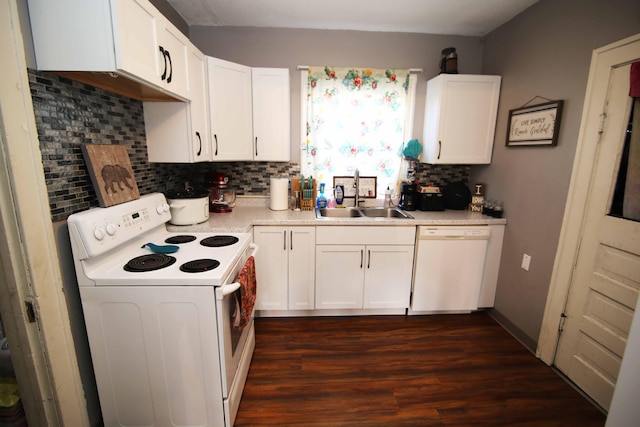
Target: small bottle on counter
(321, 201)
(331, 201)
(296, 206)
(387, 198)
(339, 195)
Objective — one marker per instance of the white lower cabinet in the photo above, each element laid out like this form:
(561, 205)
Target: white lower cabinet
(285, 267)
(363, 267)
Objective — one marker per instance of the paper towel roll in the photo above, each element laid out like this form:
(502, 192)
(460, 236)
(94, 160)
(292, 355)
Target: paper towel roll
(279, 194)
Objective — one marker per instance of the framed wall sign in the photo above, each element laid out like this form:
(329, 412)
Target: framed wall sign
(535, 124)
(367, 186)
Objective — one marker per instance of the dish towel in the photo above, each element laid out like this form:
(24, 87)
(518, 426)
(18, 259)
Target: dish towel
(247, 295)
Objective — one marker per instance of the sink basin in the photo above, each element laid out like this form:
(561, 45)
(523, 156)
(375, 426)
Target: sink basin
(338, 213)
(385, 213)
(361, 212)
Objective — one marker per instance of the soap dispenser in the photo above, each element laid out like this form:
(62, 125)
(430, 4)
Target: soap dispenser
(321, 201)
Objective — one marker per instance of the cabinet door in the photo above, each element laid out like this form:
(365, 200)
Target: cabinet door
(230, 110)
(339, 276)
(176, 49)
(271, 267)
(136, 24)
(271, 114)
(460, 118)
(387, 281)
(201, 145)
(302, 254)
(178, 132)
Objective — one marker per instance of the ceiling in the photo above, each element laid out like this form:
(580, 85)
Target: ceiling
(450, 17)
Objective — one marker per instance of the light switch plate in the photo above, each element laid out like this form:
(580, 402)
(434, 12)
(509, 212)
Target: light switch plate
(526, 261)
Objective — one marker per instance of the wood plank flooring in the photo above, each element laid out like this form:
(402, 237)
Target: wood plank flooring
(444, 370)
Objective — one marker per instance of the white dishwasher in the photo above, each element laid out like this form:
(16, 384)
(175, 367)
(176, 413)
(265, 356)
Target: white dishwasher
(448, 268)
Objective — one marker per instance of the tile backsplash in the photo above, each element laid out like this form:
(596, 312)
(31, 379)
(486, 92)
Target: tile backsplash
(69, 114)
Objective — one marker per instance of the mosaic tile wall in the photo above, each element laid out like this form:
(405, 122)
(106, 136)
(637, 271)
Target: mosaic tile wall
(69, 114)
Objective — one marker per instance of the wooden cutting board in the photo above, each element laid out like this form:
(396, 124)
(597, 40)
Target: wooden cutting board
(111, 173)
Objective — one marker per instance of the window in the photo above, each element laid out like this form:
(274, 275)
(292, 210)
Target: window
(356, 119)
(626, 203)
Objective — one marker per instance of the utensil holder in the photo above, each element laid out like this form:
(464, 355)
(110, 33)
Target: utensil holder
(307, 201)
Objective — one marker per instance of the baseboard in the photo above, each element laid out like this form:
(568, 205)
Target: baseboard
(516, 332)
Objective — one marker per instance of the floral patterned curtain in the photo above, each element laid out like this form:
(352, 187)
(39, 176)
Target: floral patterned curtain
(355, 119)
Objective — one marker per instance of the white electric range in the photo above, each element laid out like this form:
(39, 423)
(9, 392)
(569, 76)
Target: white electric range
(161, 310)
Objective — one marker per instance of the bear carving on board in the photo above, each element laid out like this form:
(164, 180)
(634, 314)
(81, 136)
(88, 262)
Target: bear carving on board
(115, 174)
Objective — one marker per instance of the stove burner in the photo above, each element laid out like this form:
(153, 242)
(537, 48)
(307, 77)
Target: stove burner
(176, 240)
(199, 265)
(218, 241)
(149, 263)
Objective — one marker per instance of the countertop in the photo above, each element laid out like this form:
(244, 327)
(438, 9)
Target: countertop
(251, 211)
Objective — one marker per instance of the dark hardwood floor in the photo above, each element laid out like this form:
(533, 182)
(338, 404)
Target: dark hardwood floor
(444, 370)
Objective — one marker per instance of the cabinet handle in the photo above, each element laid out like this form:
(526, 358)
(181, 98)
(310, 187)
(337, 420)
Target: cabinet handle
(369, 258)
(256, 145)
(285, 240)
(170, 66)
(199, 139)
(216, 138)
(439, 148)
(291, 240)
(361, 257)
(164, 56)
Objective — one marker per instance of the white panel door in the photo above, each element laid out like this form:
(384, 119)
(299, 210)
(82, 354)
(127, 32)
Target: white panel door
(201, 145)
(388, 276)
(271, 114)
(302, 277)
(339, 276)
(136, 29)
(605, 283)
(271, 267)
(176, 47)
(230, 110)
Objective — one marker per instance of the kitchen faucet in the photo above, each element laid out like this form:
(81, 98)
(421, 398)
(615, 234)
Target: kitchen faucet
(356, 185)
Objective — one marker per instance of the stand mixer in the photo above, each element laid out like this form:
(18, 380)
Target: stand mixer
(221, 197)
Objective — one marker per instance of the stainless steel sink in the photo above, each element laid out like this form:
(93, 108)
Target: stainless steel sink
(338, 213)
(361, 212)
(385, 213)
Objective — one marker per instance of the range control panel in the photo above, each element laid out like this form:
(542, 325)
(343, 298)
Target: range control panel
(98, 230)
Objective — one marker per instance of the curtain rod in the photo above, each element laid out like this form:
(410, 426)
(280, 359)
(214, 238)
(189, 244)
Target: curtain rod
(411, 70)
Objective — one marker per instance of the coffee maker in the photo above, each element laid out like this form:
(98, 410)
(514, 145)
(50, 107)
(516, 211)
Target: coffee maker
(408, 197)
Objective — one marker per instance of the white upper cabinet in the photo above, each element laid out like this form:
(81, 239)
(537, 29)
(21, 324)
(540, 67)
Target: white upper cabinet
(199, 108)
(129, 37)
(230, 110)
(271, 114)
(249, 112)
(460, 119)
(178, 132)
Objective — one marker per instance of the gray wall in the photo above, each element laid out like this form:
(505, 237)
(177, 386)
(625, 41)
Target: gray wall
(546, 52)
(288, 48)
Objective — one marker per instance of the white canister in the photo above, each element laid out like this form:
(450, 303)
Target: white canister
(279, 192)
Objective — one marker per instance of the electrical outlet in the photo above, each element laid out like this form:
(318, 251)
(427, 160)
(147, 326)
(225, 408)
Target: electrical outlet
(526, 261)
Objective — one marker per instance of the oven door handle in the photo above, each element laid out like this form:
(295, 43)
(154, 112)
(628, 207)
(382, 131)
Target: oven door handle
(230, 288)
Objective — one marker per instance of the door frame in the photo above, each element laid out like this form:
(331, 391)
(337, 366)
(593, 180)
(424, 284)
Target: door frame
(32, 300)
(578, 198)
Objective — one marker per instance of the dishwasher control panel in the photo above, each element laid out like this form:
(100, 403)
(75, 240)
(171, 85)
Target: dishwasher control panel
(453, 232)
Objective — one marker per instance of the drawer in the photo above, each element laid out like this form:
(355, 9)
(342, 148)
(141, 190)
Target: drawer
(361, 235)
